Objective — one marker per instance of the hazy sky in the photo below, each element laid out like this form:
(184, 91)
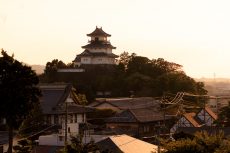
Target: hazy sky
(193, 33)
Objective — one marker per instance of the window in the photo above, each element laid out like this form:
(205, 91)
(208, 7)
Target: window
(96, 38)
(68, 129)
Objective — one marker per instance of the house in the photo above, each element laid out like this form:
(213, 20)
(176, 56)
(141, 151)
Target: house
(134, 116)
(59, 105)
(137, 122)
(205, 117)
(120, 104)
(126, 144)
(56, 100)
(186, 120)
(98, 51)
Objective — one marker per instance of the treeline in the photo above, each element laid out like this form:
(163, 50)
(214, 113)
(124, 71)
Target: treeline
(201, 142)
(132, 76)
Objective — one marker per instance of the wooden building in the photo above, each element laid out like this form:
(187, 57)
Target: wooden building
(59, 99)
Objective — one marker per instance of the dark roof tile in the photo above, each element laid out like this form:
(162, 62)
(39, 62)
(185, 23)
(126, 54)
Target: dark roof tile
(99, 44)
(94, 54)
(137, 115)
(98, 32)
(54, 96)
(129, 103)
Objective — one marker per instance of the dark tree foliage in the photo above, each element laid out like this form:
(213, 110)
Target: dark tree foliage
(154, 77)
(224, 116)
(18, 92)
(133, 75)
(182, 135)
(77, 146)
(51, 70)
(33, 122)
(24, 146)
(201, 142)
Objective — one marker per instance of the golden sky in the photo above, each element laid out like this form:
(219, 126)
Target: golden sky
(193, 33)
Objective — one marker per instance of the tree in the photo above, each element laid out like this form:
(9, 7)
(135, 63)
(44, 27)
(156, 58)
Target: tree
(202, 142)
(24, 146)
(51, 69)
(141, 75)
(77, 146)
(18, 92)
(224, 116)
(33, 122)
(124, 59)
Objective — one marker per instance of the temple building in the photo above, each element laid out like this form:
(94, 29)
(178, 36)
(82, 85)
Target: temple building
(97, 51)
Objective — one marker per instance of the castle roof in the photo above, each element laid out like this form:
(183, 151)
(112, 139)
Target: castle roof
(99, 44)
(96, 54)
(98, 32)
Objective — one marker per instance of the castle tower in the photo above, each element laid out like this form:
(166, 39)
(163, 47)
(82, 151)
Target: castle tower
(97, 51)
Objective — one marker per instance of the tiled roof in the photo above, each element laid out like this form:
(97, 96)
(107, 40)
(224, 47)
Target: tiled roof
(142, 115)
(129, 103)
(96, 54)
(77, 59)
(143, 109)
(99, 44)
(148, 115)
(190, 118)
(54, 97)
(126, 144)
(98, 32)
(125, 116)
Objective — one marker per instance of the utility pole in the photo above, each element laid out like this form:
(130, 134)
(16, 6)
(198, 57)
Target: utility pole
(158, 138)
(66, 121)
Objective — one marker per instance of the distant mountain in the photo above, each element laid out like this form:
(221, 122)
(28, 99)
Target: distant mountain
(39, 69)
(226, 80)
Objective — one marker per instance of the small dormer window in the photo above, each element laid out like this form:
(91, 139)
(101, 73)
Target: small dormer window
(96, 38)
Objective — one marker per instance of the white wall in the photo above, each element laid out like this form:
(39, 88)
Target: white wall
(103, 60)
(72, 129)
(52, 140)
(86, 60)
(100, 38)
